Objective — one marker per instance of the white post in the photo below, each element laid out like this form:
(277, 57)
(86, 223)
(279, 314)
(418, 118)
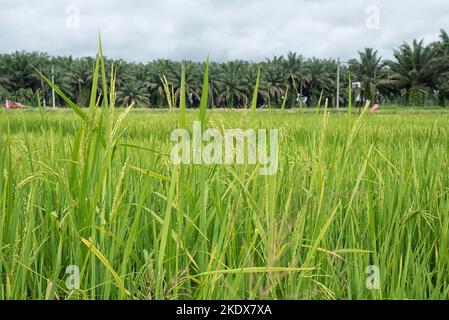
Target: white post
(338, 83)
(52, 89)
(43, 93)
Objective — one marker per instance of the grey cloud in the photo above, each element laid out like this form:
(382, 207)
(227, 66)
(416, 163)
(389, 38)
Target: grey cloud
(140, 30)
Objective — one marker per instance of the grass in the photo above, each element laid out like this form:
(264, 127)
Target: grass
(348, 194)
(95, 188)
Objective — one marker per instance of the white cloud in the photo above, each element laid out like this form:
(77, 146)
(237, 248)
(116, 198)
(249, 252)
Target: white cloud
(139, 30)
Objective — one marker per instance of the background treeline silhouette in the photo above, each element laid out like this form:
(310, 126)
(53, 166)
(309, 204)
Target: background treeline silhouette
(417, 75)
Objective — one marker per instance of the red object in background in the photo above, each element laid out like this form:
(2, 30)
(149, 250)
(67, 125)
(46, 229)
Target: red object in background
(374, 108)
(14, 105)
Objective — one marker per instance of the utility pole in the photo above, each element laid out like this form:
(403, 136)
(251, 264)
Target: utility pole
(52, 89)
(43, 92)
(338, 84)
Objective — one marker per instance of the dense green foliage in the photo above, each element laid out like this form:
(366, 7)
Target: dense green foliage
(94, 189)
(418, 74)
(349, 193)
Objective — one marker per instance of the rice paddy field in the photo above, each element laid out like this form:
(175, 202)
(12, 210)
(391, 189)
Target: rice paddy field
(358, 208)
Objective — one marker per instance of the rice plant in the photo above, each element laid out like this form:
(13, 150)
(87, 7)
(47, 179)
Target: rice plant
(91, 206)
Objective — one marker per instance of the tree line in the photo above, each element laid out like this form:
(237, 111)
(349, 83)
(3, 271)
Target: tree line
(418, 74)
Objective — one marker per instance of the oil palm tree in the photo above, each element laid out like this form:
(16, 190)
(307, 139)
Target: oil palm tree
(322, 81)
(214, 81)
(65, 77)
(193, 80)
(18, 71)
(4, 82)
(232, 88)
(132, 92)
(370, 71)
(274, 79)
(154, 72)
(414, 70)
(442, 60)
(298, 74)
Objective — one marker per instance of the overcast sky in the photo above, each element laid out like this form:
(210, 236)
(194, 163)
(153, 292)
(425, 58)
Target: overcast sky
(143, 30)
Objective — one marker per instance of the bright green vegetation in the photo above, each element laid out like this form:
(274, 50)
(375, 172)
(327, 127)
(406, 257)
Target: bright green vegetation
(349, 193)
(418, 74)
(95, 188)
